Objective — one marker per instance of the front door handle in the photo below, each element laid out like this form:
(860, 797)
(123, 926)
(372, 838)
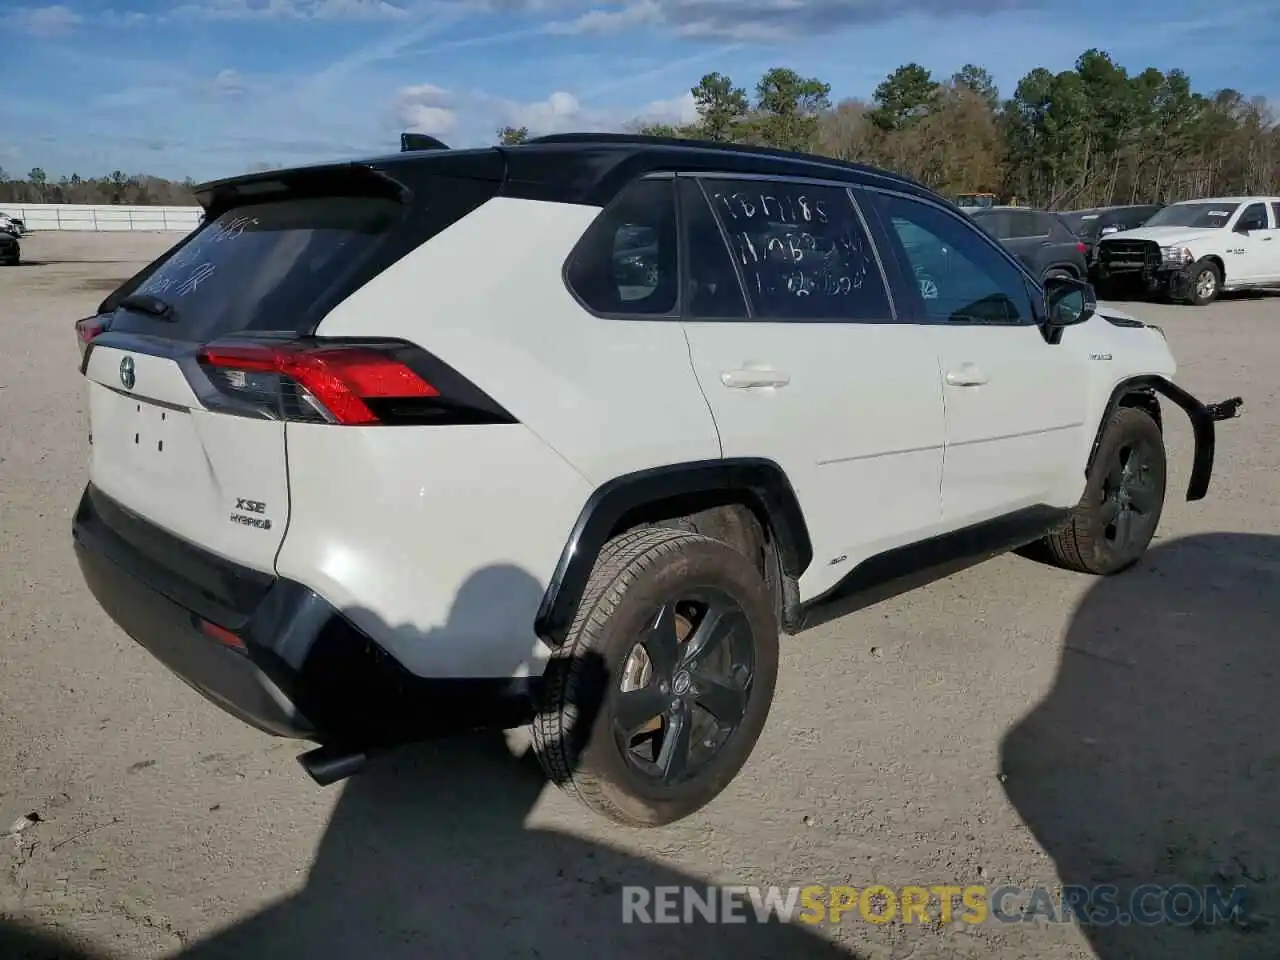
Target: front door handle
(966, 375)
(740, 379)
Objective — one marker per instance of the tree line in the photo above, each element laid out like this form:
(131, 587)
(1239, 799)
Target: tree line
(114, 188)
(1093, 135)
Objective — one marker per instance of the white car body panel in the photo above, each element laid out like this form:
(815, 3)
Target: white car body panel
(163, 456)
(438, 543)
(1014, 419)
(860, 415)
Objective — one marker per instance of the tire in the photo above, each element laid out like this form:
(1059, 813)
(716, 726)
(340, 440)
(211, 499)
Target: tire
(1205, 284)
(581, 732)
(1091, 541)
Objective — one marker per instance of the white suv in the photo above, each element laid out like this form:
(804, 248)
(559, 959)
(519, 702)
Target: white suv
(570, 432)
(1192, 251)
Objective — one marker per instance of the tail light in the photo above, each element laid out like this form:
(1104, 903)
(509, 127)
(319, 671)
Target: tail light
(1081, 246)
(86, 330)
(351, 384)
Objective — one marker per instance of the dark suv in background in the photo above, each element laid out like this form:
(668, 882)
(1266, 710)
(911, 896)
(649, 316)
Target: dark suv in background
(10, 251)
(1039, 238)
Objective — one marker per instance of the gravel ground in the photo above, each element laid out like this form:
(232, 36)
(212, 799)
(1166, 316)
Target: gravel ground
(1011, 724)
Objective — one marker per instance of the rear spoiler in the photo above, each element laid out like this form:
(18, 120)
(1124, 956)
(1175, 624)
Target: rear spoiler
(420, 141)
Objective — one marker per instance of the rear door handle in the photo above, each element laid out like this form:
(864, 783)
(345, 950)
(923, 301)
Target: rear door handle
(966, 375)
(740, 379)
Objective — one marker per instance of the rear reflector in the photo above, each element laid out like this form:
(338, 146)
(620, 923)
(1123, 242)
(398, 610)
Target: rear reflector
(336, 381)
(222, 635)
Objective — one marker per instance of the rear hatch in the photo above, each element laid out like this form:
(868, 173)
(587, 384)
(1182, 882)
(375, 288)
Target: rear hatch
(196, 365)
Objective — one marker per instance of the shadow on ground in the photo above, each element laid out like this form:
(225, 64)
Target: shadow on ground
(1155, 759)
(427, 855)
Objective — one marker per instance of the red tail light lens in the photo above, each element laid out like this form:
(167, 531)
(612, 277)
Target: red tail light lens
(86, 330)
(335, 383)
(1081, 246)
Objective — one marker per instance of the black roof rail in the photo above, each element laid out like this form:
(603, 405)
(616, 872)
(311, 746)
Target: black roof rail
(690, 143)
(420, 141)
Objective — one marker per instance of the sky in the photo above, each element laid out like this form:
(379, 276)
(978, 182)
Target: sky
(212, 88)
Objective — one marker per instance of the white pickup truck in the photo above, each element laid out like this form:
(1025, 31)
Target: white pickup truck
(1192, 251)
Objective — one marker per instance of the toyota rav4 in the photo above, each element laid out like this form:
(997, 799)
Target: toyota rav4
(396, 448)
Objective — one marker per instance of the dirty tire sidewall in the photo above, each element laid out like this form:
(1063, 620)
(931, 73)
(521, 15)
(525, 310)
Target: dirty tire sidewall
(1194, 292)
(635, 574)
(1082, 544)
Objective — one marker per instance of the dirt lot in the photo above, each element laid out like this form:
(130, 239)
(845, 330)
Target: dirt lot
(1012, 724)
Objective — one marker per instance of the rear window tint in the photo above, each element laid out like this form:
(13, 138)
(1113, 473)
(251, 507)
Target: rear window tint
(263, 267)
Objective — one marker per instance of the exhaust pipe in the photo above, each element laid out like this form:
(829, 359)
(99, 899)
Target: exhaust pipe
(328, 765)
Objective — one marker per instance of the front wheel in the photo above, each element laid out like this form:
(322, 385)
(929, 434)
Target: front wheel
(660, 692)
(1206, 283)
(1113, 524)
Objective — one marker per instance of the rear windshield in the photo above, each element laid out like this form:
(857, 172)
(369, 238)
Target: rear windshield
(261, 268)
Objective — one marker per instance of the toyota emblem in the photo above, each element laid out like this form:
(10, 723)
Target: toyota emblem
(126, 373)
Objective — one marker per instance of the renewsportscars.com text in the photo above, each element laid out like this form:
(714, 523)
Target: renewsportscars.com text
(1101, 905)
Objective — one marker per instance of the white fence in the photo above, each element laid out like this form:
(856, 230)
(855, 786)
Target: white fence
(85, 216)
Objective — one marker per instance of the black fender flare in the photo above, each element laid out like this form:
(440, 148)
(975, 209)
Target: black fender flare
(761, 483)
(1202, 416)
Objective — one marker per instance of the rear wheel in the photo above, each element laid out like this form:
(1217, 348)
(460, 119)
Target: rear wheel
(664, 683)
(1116, 518)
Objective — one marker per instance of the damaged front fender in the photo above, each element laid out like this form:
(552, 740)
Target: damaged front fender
(1203, 416)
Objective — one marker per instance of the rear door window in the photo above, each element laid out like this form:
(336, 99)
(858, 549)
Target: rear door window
(260, 268)
(802, 250)
(1023, 226)
(712, 290)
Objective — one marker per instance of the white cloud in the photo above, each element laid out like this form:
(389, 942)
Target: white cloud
(43, 21)
(426, 108)
(678, 110)
(645, 13)
(291, 10)
(227, 83)
(767, 20)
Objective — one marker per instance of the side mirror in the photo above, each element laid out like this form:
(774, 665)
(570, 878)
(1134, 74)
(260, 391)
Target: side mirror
(1067, 302)
(1106, 231)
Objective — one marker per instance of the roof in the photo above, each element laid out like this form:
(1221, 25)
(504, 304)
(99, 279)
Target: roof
(585, 168)
(1259, 199)
(1109, 209)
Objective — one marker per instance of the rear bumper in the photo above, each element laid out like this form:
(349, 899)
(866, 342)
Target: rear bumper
(270, 651)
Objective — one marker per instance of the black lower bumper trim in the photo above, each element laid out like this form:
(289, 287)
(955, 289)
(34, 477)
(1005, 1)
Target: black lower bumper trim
(172, 635)
(298, 668)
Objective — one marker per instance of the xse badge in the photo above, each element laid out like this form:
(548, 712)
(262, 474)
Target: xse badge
(249, 513)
